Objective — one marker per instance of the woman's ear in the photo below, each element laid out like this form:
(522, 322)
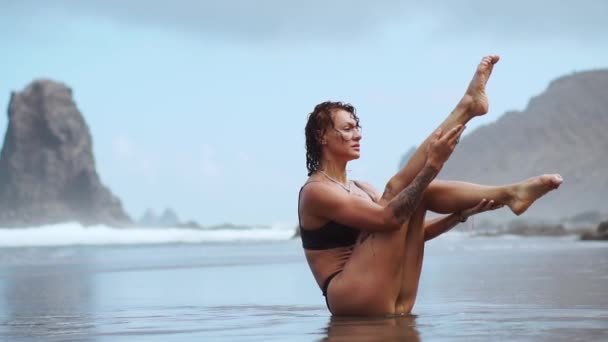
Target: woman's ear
(321, 136)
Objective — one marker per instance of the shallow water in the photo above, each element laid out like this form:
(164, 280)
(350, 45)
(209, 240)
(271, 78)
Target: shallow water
(471, 289)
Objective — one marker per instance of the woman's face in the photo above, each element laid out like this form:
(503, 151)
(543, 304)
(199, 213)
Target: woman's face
(343, 140)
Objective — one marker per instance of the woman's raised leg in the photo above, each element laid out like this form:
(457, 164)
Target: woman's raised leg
(451, 196)
(473, 103)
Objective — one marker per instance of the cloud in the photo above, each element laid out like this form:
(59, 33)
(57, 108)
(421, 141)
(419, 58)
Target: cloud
(241, 19)
(581, 19)
(258, 20)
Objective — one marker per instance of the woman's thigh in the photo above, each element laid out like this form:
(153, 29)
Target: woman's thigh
(371, 280)
(412, 262)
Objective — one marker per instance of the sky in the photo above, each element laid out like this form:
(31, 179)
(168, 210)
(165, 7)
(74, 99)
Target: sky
(200, 106)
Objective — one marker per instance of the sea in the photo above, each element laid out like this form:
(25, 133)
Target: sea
(70, 283)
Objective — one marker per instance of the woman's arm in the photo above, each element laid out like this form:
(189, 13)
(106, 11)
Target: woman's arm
(405, 176)
(323, 201)
(435, 227)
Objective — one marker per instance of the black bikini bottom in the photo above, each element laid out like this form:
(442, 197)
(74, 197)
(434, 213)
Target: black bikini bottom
(326, 285)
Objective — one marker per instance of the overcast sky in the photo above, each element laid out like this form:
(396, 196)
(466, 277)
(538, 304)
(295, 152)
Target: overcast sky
(201, 105)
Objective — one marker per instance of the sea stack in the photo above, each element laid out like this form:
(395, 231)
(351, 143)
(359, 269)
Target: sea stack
(47, 168)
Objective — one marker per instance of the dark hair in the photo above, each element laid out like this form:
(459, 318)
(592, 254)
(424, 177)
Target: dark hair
(318, 122)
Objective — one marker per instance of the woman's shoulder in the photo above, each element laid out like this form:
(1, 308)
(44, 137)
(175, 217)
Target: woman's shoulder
(319, 193)
(314, 186)
(311, 182)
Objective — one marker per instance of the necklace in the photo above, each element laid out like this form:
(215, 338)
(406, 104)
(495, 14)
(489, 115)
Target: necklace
(347, 188)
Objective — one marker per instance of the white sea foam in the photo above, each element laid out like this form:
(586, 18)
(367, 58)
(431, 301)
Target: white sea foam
(74, 234)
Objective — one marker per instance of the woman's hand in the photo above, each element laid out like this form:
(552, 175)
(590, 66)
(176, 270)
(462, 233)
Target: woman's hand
(483, 205)
(441, 147)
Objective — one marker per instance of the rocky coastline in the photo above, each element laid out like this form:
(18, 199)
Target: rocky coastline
(600, 233)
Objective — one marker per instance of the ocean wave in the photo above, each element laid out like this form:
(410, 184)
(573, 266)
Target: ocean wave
(66, 234)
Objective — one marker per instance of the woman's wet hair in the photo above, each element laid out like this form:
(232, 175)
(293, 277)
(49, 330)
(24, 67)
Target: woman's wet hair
(319, 120)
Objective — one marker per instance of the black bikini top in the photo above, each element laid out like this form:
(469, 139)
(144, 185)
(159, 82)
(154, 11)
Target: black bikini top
(330, 235)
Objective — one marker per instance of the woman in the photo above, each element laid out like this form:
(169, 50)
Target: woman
(364, 248)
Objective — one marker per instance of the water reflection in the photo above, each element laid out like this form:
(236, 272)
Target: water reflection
(394, 328)
(47, 301)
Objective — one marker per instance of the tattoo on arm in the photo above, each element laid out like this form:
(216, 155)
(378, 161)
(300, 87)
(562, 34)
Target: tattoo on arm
(408, 199)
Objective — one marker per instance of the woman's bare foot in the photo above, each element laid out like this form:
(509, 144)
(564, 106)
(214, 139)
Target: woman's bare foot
(475, 101)
(528, 191)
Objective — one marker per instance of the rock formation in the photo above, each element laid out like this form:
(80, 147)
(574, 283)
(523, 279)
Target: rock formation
(47, 168)
(168, 218)
(601, 233)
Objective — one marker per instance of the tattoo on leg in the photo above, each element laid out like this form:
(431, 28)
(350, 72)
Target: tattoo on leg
(408, 200)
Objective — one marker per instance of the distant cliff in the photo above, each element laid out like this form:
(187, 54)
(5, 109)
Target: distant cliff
(47, 168)
(565, 130)
(168, 218)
